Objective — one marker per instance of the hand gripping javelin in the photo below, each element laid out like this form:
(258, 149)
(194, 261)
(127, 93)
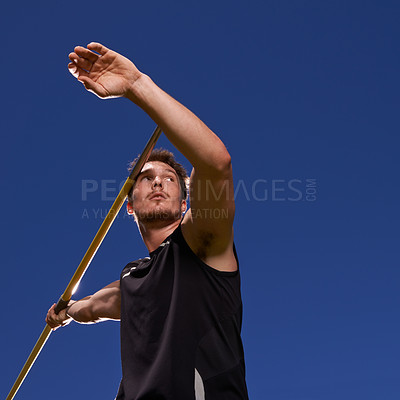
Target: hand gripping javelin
(87, 258)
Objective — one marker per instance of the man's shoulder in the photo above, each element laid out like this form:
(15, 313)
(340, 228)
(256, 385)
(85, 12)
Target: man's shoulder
(133, 265)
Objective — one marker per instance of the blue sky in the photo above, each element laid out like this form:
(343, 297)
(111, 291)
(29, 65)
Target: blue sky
(305, 95)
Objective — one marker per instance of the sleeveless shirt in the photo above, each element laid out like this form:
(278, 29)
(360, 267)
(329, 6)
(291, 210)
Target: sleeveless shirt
(180, 328)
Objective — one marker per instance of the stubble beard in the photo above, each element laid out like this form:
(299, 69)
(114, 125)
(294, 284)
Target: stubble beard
(157, 214)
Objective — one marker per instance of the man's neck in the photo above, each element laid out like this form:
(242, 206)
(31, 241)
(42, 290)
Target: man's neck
(154, 234)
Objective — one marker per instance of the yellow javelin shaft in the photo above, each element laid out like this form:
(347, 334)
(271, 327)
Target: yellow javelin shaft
(87, 258)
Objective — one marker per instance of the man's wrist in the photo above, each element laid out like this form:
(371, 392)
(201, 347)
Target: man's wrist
(137, 89)
(67, 314)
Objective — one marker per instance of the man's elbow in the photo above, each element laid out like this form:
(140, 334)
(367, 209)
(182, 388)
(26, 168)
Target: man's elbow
(223, 165)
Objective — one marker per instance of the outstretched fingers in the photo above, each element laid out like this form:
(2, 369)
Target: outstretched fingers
(98, 47)
(85, 53)
(76, 71)
(84, 77)
(81, 62)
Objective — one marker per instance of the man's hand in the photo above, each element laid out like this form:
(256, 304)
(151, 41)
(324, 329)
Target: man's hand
(56, 320)
(107, 74)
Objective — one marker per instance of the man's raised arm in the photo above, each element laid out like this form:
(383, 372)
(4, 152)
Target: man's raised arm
(208, 225)
(109, 74)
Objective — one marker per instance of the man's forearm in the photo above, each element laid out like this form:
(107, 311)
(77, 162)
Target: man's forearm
(101, 306)
(185, 130)
(81, 311)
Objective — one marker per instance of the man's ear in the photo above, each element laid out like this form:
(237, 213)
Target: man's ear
(183, 206)
(129, 208)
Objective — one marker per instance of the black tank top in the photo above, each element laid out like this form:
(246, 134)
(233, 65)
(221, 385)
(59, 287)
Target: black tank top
(180, 328)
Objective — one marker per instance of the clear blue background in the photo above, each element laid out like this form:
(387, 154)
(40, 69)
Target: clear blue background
(297, 90)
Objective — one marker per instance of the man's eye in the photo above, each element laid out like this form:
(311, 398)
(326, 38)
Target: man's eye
(169, 178)
(146, 178)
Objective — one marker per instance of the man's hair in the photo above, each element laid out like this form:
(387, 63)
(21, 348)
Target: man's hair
(167, 157)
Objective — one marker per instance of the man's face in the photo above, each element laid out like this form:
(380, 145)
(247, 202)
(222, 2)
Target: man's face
(156, 195)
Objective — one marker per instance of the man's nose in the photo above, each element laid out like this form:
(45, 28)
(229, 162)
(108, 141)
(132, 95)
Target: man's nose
(157, 181)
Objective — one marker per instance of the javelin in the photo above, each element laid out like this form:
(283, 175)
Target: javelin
(87, 258)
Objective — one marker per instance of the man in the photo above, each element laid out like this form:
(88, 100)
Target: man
(180, 308)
